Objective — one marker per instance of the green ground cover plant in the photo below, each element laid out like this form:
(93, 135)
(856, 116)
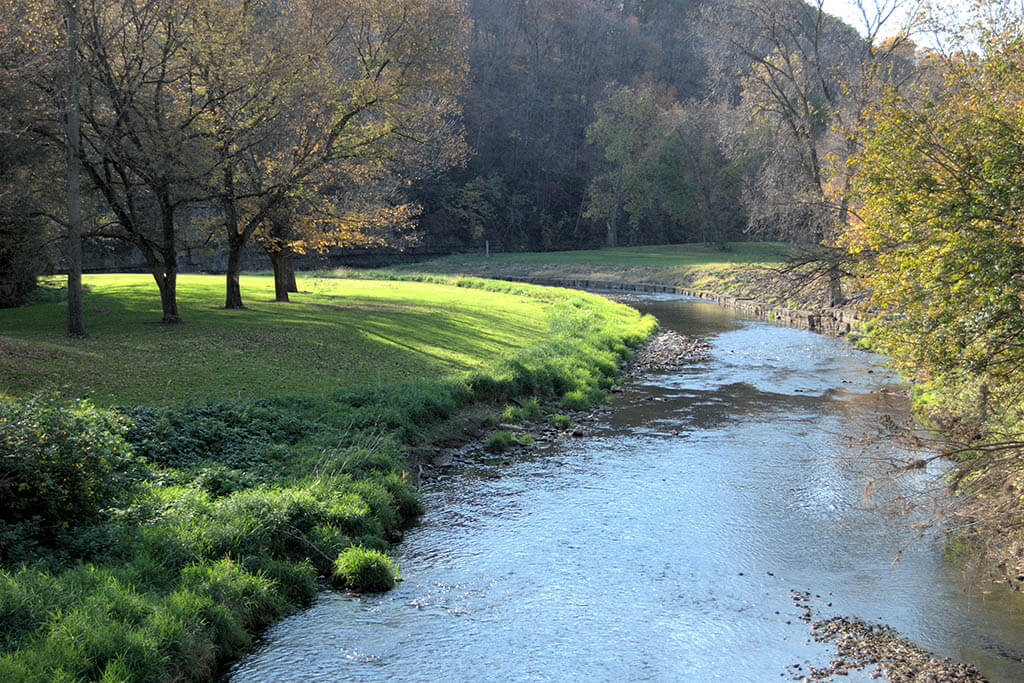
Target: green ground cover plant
(365, 570)
(165, 529)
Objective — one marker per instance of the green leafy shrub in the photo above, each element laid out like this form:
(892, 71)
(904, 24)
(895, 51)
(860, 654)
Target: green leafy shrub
(500, 441)
(529, 411)
(61, 464)
(561, 421)
(364, 570)
(580, 399)
(229, 433)
(220, 480)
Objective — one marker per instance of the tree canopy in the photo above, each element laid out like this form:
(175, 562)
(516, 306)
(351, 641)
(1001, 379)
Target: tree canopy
(940, 179)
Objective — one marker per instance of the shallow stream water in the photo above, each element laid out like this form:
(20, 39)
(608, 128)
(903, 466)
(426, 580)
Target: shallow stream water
(666, 543)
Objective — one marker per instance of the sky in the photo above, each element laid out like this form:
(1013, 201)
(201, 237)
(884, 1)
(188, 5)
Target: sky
(847, 11)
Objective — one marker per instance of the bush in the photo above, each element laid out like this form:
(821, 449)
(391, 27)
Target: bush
(231, 433)
(529, 411)
(60, 464)
(561, 421)
(500, 441)
(365, 571)
(576, 399)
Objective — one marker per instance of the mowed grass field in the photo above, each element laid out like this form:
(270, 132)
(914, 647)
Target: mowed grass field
(334, 333)
(756, 270)
(659, 256)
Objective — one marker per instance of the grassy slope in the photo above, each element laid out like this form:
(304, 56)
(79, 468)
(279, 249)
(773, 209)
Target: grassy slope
(228, 511)
(743, 269)
(337, 333)
(661, 256)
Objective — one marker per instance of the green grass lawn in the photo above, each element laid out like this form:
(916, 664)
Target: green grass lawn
(335, 333)
(659, 256)
(741, 269)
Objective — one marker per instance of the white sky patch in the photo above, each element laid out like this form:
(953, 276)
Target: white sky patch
(898, 12)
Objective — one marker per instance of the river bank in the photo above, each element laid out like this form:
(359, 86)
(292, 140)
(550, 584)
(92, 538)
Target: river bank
(754, 279)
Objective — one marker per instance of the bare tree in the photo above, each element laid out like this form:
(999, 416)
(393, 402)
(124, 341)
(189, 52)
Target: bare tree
(810, 83)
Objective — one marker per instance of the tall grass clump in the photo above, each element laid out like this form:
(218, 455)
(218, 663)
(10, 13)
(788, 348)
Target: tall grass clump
(529, 410)
(365, 570)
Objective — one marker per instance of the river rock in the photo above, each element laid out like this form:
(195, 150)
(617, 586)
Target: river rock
(665, 351)
(860, 646)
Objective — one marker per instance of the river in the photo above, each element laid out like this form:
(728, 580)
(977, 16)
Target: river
(665, 544)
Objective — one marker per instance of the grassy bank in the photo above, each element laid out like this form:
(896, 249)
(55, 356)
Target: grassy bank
(223, 467)
(742, 269)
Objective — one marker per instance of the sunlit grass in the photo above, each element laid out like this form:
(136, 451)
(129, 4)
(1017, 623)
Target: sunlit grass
(335, 333)
(757, 270)
(659, 256)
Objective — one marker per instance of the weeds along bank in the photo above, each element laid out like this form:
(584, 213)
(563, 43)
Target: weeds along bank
(982, 419)
(147, 537)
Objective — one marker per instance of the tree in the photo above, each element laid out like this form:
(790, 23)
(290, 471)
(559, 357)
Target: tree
(140, 147)
(318, 95)
(73, 150)
(939, 176)
(810, 81)
(36, 35)
(23, 250)
(698, 186)
(625, 127)
(668, 175)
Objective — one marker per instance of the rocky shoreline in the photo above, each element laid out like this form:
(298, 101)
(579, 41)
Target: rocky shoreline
(861, 647)
(665, 351)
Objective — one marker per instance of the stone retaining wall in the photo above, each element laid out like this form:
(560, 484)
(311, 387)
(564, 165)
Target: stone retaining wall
(833, 321)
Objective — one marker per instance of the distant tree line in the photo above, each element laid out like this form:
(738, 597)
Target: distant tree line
(594, 122)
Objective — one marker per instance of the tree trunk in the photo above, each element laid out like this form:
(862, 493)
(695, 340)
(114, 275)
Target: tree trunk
(289, 273)
(836, 297)
(72, 140)
(234, 291)
(165, 271)
(282, 268)
(835, 285)
(233, 297)
(277, 244)
(614, 222)
(167, 282)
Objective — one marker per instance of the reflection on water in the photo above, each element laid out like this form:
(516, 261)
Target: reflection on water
(665, 545)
